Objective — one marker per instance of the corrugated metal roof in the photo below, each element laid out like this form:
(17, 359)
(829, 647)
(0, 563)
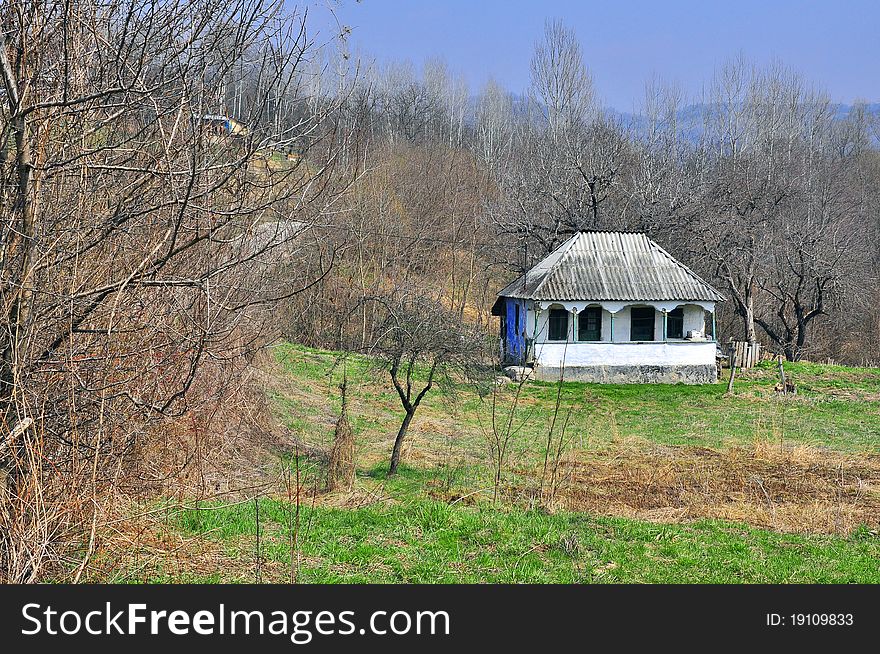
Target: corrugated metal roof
(619, 266)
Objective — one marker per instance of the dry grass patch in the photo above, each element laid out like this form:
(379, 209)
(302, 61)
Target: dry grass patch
(793, 489)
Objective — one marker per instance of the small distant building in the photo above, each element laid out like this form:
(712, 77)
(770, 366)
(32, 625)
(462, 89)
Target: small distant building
(610, 307)
(221, 125)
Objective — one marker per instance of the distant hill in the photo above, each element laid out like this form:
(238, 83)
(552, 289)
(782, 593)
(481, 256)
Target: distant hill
(690, 117)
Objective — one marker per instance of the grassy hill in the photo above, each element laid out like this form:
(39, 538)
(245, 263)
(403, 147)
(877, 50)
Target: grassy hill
(421, 541)
(660, 483)
(836, 407)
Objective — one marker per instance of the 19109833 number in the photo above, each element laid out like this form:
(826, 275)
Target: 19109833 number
(821, 619)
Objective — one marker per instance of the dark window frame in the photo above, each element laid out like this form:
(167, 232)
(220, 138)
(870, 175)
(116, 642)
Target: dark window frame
(640, 315)
(675, 323)
(553, 323)
(584, 331)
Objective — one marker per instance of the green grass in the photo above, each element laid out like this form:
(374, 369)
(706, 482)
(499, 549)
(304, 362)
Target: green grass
(836, 407)
(434, 523)
(433, 542)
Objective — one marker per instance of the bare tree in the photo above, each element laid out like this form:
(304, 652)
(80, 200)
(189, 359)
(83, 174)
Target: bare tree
(819, 250)
(422, 344)
(146, 228)
(561, 80)
(569, 154)
(779, 212)
(494, 126)
(664, 178)
(752, 120)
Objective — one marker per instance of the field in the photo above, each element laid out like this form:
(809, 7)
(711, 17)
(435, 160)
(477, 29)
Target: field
(664, 483)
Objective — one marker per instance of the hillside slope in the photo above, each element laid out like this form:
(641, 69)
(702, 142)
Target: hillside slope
(651, 484)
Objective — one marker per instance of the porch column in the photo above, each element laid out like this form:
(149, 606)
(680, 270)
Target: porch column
(664, 325)
(535, 328)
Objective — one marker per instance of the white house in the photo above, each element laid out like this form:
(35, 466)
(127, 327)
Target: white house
(610, 307)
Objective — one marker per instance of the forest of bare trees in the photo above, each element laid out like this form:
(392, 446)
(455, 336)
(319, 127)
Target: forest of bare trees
(146, 256)
(761, 184)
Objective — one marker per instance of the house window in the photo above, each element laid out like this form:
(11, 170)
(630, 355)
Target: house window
(558, 328)
(590, 324)
(675, 323)
(516, 321)
(642, 324)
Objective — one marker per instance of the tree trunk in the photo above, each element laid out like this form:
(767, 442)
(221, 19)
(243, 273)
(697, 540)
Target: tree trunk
(398, 442)
(749, 316)
(17, 465)
(800, 338)
(744, 296)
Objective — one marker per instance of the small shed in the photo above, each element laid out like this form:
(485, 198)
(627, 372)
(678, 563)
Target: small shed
(610, 307)
(222, 125)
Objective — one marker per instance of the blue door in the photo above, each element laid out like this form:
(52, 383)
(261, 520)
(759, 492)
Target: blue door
(514, 338)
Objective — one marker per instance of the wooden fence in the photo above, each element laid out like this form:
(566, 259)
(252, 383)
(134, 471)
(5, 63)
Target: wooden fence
(745, 354)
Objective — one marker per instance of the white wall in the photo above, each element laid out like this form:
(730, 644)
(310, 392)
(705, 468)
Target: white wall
(606, 326)
(623, 323)
(694, 319)
(543, 326)
(625, 354)
(530, 319)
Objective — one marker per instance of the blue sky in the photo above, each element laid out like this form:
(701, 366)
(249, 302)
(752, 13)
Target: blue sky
(835, 44)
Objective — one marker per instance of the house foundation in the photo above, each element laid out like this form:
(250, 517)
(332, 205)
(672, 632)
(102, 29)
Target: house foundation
(632, 374)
